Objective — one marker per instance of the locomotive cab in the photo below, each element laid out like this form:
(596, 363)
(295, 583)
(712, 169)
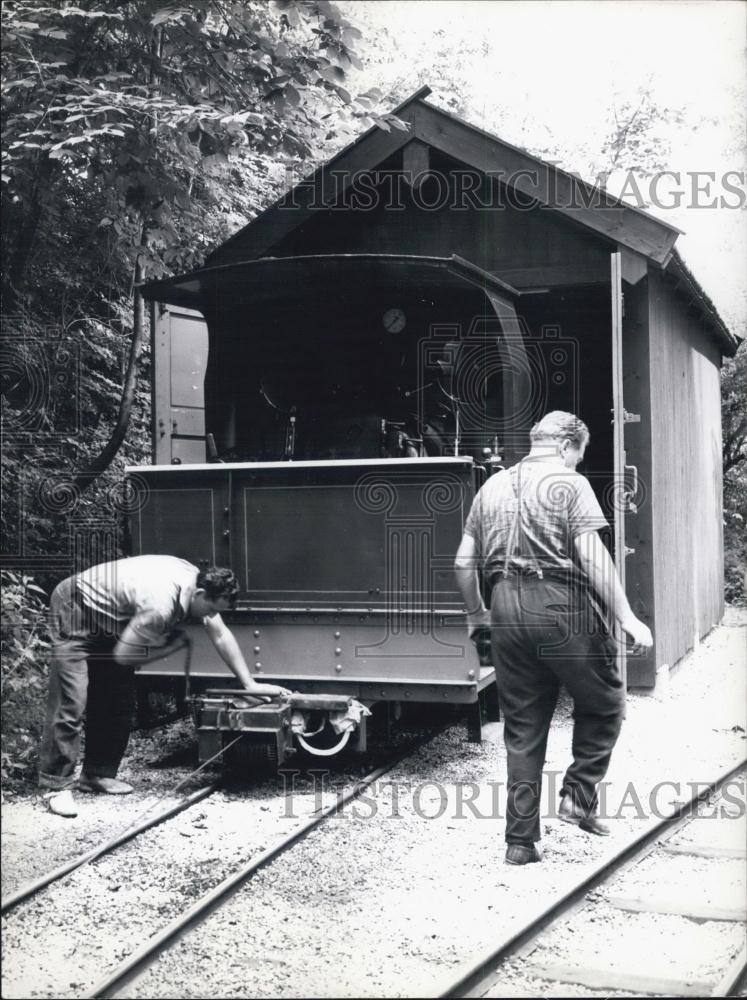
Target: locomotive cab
(352, 357)
(352, 406)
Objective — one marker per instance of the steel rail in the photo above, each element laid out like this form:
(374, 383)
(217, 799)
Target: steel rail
(476, 979)
(31, 888)
(132, 830)
(733, 978)
(144, 956)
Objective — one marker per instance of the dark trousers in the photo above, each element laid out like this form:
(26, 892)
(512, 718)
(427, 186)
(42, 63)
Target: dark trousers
(84, 680)
(545, 633)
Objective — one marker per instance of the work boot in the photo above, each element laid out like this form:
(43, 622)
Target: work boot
(569, 812)
(103, 786)
(62, 803)
(522, 854)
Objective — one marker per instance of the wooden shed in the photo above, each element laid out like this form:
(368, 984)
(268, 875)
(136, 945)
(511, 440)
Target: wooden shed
(612, 325)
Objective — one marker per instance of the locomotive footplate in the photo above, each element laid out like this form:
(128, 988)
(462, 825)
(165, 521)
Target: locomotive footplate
(254, 730)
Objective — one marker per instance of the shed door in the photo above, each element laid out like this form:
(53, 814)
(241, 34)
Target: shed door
(180, 353)
(618, 419)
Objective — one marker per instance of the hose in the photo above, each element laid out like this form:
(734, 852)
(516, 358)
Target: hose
(330, 751)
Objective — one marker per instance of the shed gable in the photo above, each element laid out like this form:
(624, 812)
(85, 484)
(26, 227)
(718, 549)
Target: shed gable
(539, 182)
(455, 210)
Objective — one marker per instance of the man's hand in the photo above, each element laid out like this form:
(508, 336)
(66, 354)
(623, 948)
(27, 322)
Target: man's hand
(267, 691)
(639, 633)
(466, 566)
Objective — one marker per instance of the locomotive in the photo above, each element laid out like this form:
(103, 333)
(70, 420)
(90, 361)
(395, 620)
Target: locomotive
(327, 440)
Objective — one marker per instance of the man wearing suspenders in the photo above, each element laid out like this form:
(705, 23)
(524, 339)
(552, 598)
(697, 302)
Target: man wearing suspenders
(532, 534)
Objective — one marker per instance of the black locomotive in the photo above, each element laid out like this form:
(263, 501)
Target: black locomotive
(352, 406)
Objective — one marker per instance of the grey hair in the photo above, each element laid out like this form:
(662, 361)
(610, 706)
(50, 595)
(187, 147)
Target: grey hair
(557, 426)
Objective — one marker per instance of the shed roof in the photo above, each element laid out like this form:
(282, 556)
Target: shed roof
(591, 207)
(545, 183)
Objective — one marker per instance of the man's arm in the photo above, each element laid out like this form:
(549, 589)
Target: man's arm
(466, 567)
(142, 640)
(228, 650)
(599, 567)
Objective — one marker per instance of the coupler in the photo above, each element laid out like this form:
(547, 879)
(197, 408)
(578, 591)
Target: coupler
(255, 731)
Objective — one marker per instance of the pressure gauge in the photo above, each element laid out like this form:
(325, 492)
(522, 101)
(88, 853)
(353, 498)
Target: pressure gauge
(394, 320)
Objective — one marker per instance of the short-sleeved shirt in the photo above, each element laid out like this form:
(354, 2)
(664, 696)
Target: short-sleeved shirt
(157, 590)
(556, 505)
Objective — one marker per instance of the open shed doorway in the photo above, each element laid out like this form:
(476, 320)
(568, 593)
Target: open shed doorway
(568, 339)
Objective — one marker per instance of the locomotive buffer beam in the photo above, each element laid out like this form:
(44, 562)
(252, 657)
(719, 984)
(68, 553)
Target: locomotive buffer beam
(222, 714)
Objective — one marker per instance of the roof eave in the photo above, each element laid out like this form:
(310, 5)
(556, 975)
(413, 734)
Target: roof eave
(187, 290)
(728, 341)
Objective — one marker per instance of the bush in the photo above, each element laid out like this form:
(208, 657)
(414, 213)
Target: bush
(734, 416)
(735, 536)
(25, 658)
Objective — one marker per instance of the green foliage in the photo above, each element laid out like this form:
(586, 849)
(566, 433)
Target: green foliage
(25, 646)
(160, 120)
(60, 390)
(135, 132)
(734, 414)
(137, 135)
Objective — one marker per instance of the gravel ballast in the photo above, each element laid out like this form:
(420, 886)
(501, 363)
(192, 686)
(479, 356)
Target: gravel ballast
(387, 898)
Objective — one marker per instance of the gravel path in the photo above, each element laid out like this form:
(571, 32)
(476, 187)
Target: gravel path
(385, 899)
(659, 945)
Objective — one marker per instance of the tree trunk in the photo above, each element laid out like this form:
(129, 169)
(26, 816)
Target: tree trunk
(104, 459)
(102, 462)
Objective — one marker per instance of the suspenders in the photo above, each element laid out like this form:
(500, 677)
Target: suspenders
(514, 543)
(516, 528)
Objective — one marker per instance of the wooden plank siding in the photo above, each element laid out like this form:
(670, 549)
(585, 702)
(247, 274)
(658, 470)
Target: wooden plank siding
(686, 483)
(540, 180)
(527, 247)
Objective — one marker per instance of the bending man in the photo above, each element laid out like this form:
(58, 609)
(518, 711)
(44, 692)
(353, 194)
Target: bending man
(105, 623)
(532, 531)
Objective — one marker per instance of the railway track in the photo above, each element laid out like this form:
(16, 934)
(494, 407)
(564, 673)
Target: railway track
(31, 889)
(527, 959)
(492, 975)
(147, 953)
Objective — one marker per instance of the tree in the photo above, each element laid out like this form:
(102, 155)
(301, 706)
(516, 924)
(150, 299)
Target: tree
(145, 104)
(734, 410)
(734, 415)
(138, 134)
